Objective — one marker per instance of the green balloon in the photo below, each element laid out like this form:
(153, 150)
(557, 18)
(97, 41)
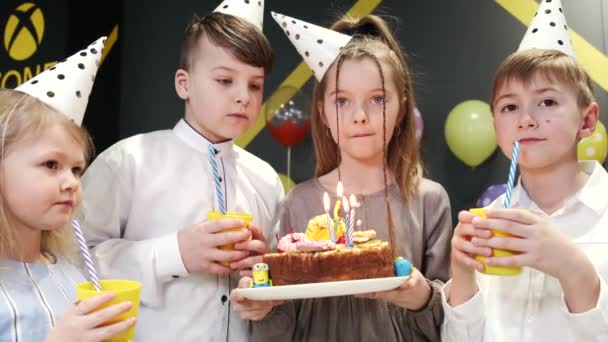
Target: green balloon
(288, 183)
(469, 132)
(595, 146)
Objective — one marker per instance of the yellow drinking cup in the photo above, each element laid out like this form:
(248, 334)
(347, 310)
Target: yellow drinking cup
(125, 290)
(496, 252)
(216, 215)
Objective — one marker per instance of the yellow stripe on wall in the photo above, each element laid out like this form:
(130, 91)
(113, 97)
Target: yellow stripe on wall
(297, 78)
(112, 38)
(594, 61)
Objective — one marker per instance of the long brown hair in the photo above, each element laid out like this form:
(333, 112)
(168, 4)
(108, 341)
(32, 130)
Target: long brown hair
(403, 156)
(373, 39)
(24, 117)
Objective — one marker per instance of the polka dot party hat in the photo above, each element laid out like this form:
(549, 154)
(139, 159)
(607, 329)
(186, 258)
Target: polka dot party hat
(67, 85)
(548, 29)
(318, 46)
(250, 10)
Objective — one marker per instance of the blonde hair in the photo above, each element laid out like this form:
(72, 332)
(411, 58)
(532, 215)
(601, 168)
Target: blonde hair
(24, 117)
(373, 39)
(553, 65)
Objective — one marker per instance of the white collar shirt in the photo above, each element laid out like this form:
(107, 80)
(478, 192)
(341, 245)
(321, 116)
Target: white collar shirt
(530, 306)
(139, 193)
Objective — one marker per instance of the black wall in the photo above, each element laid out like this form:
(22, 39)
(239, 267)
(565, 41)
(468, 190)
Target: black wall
(454, 48)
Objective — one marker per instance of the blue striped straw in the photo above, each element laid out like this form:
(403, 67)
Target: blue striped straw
(216, 178)
(86, 255)
(512, 171)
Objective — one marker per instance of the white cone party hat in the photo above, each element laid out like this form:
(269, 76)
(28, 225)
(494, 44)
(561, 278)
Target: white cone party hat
(250, 10)
(318, 46)
(548, 29)
(67, 85)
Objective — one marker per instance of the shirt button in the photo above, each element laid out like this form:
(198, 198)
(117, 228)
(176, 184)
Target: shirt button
(224, 299)
(175, 276)
(220, 179)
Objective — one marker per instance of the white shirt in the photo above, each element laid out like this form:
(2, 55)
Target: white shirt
(531, 306)
(34, 297)
(139, 193)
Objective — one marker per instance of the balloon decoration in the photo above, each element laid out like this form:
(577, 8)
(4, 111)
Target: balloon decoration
(419, 124)
(287, 182)
(288, 121)
(469, 132)
(287, 116)
(490, 195)
(595, 146)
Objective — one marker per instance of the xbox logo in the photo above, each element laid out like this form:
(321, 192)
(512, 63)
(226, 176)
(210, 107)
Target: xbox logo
(23, 31)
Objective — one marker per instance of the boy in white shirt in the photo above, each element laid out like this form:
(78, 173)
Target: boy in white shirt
(147, 197)
(542, 98)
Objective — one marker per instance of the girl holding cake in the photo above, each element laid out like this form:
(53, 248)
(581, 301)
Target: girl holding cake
(364, 136)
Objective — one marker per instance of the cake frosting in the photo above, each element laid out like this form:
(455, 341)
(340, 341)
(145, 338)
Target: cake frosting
(299, 242)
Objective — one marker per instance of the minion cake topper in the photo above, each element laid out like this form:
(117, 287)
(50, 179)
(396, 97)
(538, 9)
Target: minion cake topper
(260, 275)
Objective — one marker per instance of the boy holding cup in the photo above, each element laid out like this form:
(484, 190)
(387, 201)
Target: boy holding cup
(542, 98)
(147, 198)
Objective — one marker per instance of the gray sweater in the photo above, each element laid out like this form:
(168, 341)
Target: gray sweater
(424, 231)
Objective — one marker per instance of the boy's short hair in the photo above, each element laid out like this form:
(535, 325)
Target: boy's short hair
(243, 39)
(553, 65)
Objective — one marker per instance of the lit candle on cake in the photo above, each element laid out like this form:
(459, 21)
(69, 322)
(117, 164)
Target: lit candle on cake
(349, 222)
(339, 192)
(326, 207)
(353, 204)
(346, 210)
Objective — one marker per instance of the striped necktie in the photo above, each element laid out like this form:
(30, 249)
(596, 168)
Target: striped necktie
(216, 180)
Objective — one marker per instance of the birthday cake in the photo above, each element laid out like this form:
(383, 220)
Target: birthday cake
(313, 257)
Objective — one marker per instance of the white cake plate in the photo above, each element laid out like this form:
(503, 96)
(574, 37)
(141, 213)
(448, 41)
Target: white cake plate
(319, 290)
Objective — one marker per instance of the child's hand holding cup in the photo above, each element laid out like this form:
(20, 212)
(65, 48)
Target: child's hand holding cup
(216, 215)
(495, 270)
(125, 291)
